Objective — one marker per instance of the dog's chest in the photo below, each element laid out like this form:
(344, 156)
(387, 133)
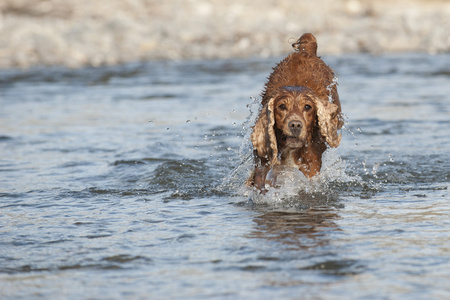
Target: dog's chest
(289, 159)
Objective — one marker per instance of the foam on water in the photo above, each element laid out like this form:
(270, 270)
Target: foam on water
(293, 189)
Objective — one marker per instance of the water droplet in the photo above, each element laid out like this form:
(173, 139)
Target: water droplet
(229, 148)
(359, 129)
(391, 159)
(187, 121)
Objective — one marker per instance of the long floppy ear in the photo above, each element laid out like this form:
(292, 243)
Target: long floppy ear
(329, 121)
(263, 136)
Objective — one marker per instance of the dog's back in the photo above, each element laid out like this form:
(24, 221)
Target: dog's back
(303, 68)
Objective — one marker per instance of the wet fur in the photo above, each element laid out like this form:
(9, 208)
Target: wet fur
(302, 77)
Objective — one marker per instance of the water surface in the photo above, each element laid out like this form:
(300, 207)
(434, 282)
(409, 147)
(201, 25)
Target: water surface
(126, 182)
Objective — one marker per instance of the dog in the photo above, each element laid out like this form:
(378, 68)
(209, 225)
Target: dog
(300, 115)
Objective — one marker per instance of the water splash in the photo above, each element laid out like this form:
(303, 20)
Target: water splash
(295, 190)
(337, 177)
(234, 180)
(333, 83)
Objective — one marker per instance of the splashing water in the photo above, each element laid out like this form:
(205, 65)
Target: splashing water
(338, 177)
(293, 188)
(330, 87)
(233, 181)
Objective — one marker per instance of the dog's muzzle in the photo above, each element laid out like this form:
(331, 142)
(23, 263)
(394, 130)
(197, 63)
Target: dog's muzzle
(295, 127)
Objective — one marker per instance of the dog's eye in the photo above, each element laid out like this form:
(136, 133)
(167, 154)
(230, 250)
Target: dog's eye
(282, 107)
(307, 107)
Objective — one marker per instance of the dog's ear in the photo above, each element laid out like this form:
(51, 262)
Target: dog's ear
(263, 136)
(329, 121)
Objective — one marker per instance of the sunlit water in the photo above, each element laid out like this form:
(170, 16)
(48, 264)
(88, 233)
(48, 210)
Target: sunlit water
(128, 183)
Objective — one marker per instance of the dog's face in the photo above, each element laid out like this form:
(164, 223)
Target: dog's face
(290, 119)
(295, 117)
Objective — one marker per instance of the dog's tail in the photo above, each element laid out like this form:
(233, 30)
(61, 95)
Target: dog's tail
(306, 44)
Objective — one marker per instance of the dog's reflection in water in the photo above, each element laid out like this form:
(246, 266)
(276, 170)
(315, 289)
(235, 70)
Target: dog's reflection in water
(302, 219)
(296, 230)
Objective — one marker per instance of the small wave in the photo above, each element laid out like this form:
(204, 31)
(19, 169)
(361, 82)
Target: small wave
(5, 138)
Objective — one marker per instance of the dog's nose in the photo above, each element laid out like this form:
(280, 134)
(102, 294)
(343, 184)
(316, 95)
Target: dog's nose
(295, 127)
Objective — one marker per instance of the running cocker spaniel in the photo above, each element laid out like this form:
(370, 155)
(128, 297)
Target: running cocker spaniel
(300, 115)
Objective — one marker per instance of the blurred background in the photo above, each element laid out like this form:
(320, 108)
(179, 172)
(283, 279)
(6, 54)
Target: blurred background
(76, 33)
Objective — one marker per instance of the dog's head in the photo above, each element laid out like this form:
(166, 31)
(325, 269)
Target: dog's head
(288, 121)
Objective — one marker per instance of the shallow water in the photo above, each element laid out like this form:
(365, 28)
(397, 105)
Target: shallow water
(127, 183)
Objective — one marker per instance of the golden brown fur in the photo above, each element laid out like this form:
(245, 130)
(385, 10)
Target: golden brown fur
(301, 114)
